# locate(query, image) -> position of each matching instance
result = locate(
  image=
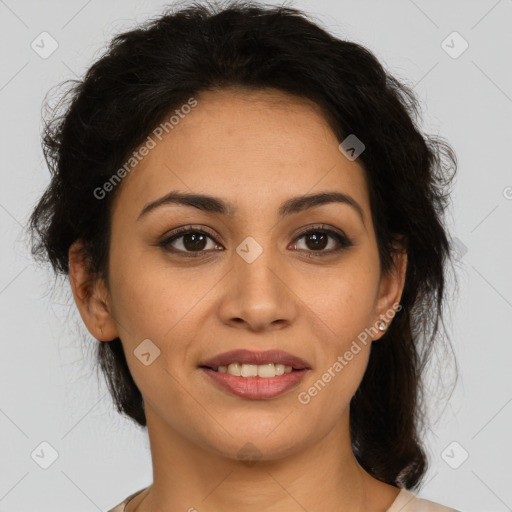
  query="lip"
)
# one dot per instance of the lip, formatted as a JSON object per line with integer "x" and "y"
{"x": 244, "y": 356}
{"x": 256, "y": 388}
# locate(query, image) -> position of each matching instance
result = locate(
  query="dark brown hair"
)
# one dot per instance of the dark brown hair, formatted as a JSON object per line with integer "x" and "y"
{"x": 148, "y": 72}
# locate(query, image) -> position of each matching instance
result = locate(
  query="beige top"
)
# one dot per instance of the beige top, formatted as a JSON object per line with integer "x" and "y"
{"x": 406, "y": 501}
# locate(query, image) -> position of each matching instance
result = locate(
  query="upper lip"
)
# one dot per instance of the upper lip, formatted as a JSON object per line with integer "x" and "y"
{"x": 244, "y": 356}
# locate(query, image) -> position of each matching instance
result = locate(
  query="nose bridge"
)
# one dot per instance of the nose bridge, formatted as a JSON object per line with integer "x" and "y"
{"x": 258, "y": 274}
{"x": 257, "y": 266}
{"x": 257, "y": 293}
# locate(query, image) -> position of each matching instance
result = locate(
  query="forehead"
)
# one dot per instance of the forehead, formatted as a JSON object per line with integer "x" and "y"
{"x": 254, "y": 148}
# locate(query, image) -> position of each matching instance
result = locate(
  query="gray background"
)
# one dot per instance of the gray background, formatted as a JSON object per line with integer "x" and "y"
{"x": 48, "y": 389}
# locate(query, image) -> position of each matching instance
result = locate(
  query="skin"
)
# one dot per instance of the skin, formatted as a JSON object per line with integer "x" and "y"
{"x": 255, "y": 149}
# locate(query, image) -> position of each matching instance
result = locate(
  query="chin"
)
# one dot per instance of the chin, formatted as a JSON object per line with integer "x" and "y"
{"x": 258, "y": 444}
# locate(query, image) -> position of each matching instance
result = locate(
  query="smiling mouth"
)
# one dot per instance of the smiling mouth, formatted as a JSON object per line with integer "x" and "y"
{"x": 264, "y": 371}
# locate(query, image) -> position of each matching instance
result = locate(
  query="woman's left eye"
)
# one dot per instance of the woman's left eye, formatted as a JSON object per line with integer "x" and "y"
{"x": 318, "y": 239}
{"x": 192, "y": 241}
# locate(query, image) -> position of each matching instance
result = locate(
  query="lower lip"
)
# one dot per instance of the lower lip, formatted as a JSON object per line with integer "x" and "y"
{"x": 256, "y": 388}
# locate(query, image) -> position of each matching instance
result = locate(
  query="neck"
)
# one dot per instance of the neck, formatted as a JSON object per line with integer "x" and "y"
{"x": 187, "y": 477}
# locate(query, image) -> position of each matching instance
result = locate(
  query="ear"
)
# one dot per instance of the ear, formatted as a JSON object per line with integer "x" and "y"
{"x": 390, "y": 289}
{"x": 91, "y": 296}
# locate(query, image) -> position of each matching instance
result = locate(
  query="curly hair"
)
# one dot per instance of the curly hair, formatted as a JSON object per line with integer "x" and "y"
{"x": 147, "y": 72}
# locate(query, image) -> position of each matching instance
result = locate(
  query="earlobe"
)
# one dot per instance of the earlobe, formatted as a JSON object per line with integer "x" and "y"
{"x": 390, "y": 291}
{"x": 91, "y": 296}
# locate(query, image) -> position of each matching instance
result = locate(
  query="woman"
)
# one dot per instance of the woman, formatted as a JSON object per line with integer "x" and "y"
{"x": 252, "y": 225}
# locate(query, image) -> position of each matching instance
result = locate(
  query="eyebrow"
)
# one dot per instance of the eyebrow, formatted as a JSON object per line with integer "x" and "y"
{"x": 216, "y": 205}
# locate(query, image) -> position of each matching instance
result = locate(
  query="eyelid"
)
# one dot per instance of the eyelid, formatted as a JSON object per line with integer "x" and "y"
{"x": 343, "y": 240}
{"x": 320, "y": 227}
{"x": 181, "y": 230}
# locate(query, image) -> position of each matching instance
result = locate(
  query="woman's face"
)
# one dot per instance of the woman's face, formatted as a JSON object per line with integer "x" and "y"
{"x": 253, "y": 281}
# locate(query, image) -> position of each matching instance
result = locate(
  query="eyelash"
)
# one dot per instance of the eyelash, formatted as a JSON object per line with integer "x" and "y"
{"x": 344, "y": 242}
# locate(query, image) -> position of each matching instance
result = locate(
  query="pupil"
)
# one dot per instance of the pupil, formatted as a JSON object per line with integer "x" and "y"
{"x": 317, "y": 238}
{"x": 194, "y": 238}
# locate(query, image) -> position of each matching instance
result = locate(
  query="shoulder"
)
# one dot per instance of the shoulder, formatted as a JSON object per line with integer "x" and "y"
{"x": 121, "y": 506}
{"x": 406, "y": 501}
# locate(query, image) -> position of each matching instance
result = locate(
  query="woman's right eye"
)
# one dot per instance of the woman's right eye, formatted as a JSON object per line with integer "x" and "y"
{"x": 188, "y": 241}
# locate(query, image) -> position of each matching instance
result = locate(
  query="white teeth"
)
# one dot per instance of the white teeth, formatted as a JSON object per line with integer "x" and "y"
{"x": 280, "y": 369}
{"x": 253, "y": 370}
{"x": 266, "y": 370}
{"x": 234, "y": 369}
{"x": 249, "y": 370}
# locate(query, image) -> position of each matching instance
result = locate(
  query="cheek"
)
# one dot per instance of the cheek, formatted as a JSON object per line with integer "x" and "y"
{"x": 149, "y": 299}
{"x": 149, "y": 307}
{"x": 341, "y": 310}
{"x": 344, "y": 303}
{"x": 343, "y": 350}
{"x": 164, "y": 306}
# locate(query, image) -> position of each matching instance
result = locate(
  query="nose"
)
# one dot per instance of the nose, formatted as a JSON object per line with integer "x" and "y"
{"x": 258, "y": 296}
